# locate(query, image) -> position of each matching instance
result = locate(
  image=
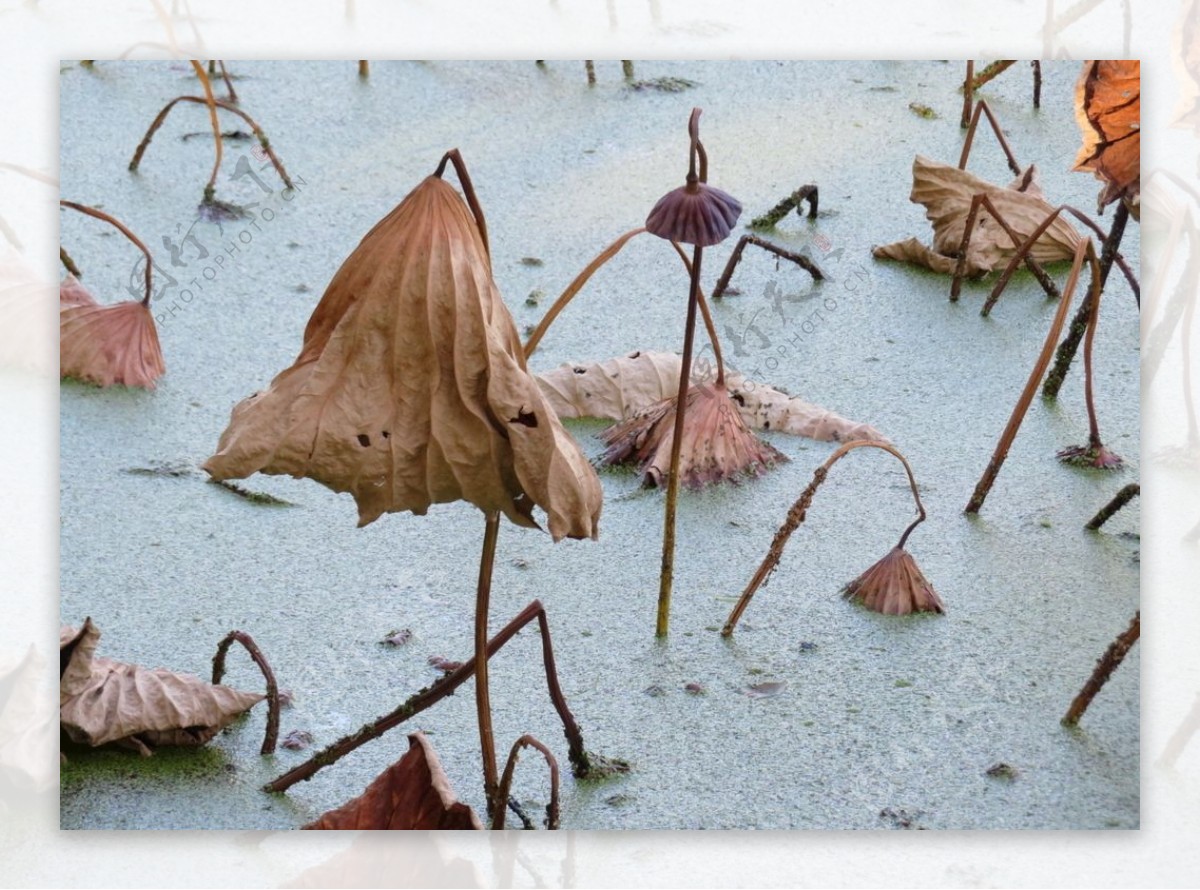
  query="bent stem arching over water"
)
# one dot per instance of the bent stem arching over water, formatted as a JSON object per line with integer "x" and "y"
{"x": 797, "y": 514}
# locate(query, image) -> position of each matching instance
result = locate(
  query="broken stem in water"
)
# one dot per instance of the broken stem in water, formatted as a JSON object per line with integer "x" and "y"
{"x": 581, "y": 761}
{"x": 528, "y": 741}
{"x": 218, "y": 671}
{"x": 68, "y": 263}
{"x": 796, "y": 515}
{"x": 1109, "y": 662}
{"x": 736, "y": 257}
{"x": 258, "y": 132}
{"x": 1122, "y": 497}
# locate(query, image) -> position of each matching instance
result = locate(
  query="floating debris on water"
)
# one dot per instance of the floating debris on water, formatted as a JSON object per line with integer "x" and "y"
{"x": 663, "y": 85}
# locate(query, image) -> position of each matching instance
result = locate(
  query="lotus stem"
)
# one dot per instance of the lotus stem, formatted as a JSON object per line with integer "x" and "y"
{"x": 364, "y": 69}
{"x": 218, "y": 671}
{"x": 797, "y": 514}
{"x": 787, "y": 205}
{"x": 627, "y": 69}
{"x": 1122, "y": 497}
{"x": 68, "y": 263}
{"x": 1083, "y": 250}
{"x": 1026, "y": 249}
{"x": 124, "y": 230}
{"x": 483, "y": 704}
{"x": 258, "y": 132}
{"x": 736, "y": 257}
{"x": 968, "y": 94}
{"x": 211, "y": 189}
{"x": 464, "y": 179}
{"x": 233, "y": 97}
{"x": 709, "y": 324}
{"x": 667, "y": 575}
{"x": 581, "y": 761}
{"x": 590, "y": 67}
{"x": 1082, "y": 321}
{"x": 1037, "y": 83}
{"x": 982, "y": 108}
{"x": 1108, "y": 663}
{"x": 990, "y": 72}
{"x": 576, "y": 285}
{"x": 528, "y": 741}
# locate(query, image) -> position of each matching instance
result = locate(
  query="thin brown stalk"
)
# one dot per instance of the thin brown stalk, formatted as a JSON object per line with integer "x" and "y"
{"x": 211, "y": 189}
{"x": 259, "y": 133}
{"x": 464, "y": 179}
{"x": 124, "y": 230}
{"x": 364, "y": 68}
{"x": 1108, "y": 662}
{"x": 233, "y": 97}
{"x": 581, "y": 761}
{"x": 590, "y": 67}
{"x": 483, "y": 704}
{"x": 968, "y": 94}
{"x": 1083, "y": 250}
{"x": 627, "y": 69}
{"x": 797, "y": 514}
{"x": 528, "y": 741}
{"x": 982, "y": 108}
{"x": 736, "y": 257}
{"x": 990, "y": 72}
{"x": 1037, "y": 83}
{"x": 218, "y": 671}
{"x": 1033, "y": 265}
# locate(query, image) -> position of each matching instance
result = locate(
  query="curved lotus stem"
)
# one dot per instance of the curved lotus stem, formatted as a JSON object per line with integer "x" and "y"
{"x": 258, "y": 132}
{"x": 464, "y": 178}
{"x": 796, "y": 515}
{"x": 576, "y": 285}
{"x": 527, "y": 741}
{"x": 124, "y": 230}
{"x": 211, "y": 101}
{"x": 218, "y": 671}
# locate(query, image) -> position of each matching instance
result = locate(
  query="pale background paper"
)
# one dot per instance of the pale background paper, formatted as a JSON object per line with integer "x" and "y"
{"x": 34, "y": 36}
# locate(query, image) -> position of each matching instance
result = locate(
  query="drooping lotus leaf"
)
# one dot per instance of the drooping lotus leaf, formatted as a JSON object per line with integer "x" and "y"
{"x": 411, "y": 389}
{"x": 412, "y": 794}
{"x": 108, "y": 345}
{"x": 103, "y": 701}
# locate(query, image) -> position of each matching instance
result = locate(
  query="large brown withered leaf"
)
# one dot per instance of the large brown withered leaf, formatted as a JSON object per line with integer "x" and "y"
{"x": 717, "y": 444}
{"x": 1108, "y": 108}
{"x": 106, "y": 345}
{"x": 411, "y": 389}
{"x": 947, "y": 192}
{"x": 412, "y": 794}
{"x": 103, "y": 701}
{"x": 622, "y": 387}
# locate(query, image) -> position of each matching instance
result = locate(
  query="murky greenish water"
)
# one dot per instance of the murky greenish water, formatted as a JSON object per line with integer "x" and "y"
{"x": 877, "y": 714}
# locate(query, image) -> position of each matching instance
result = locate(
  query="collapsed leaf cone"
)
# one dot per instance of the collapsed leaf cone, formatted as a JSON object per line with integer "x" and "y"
{"x": 411, "y": 388}
{"x": 894, "y": 586}
{"x": 716, "y": 444}
{"x": 412, "y": 794}
{"x": 108, "y": 345}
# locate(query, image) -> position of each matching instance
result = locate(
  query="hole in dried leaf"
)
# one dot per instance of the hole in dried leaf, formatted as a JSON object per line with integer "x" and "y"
{"x": 525, "y": 418}
{"x": 364, "y": 440}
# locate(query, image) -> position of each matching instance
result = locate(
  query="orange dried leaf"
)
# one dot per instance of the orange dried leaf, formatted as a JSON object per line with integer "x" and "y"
{"x": 411, "y": 387}
{"x": 946, "y": 193}
{"x": 412, "y": 794}
{"x": 103, "y": 701}
{"x": 106, "y": 345}
{"x": 1108, "y": 110}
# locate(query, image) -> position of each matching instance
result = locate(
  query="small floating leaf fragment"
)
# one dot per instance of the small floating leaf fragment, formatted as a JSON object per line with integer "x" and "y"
{"x": 297, "y": 740}
{"x": 397, "y": 637}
